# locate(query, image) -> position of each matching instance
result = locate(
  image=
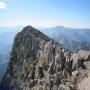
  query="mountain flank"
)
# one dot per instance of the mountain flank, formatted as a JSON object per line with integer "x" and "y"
{"x": 39, "y": 63}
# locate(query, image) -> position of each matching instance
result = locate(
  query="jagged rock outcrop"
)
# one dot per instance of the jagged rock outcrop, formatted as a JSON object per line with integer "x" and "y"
{"x": 39, "y": 63}
{"x": 79, "y": 58}
{"x": 81, "y": 72}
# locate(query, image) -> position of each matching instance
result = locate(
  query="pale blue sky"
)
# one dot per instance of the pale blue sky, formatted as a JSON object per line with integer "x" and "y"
{"x": 69, "y": 13}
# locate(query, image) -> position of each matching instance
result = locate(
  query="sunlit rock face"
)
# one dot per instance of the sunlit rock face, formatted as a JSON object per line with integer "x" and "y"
{"x": 39, "y": 63}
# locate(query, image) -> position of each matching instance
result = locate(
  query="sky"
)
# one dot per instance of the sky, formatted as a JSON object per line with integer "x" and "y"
{"x": 45, "y": 13}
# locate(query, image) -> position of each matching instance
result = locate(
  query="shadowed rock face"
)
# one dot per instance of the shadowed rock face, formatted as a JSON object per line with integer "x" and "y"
{"x": 38, "y": 63}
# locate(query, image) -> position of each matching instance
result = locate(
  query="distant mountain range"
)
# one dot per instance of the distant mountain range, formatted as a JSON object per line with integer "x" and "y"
{"x": 7, "y": 35}
{"x": 73, "y": 39}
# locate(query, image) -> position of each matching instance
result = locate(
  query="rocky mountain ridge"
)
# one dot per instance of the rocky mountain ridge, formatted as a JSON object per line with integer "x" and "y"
{"x": 72, "y": 39}
{"x": 39, "y": 63}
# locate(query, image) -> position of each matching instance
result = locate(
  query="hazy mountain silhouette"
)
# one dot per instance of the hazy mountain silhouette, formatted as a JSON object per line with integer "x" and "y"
{"x": 70, "y": 38}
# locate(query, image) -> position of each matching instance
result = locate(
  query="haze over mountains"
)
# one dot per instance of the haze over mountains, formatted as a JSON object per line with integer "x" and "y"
{"x": 7, "y": 35}
{"x": 73, "y": 39}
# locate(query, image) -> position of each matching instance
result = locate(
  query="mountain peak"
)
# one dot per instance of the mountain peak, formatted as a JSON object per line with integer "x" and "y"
{"x": 32, "y": 54}
{"x": 29, "y": 30}
{"x": 28, "y": 27}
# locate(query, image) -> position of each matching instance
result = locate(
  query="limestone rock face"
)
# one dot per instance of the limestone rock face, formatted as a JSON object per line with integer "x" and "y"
{"x": 81, "y": 72}
{"x": 79, "y": 58}
{"x": 39, "y": 63}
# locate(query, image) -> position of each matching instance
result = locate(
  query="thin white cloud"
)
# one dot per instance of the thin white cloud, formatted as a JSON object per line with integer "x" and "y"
{"x": 3, "y": 5}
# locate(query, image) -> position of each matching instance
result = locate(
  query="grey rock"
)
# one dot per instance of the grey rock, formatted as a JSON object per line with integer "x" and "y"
{"x": 39, "y": 63}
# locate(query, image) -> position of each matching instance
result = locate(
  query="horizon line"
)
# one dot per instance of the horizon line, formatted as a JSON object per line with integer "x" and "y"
{"x": 38, "y": 26}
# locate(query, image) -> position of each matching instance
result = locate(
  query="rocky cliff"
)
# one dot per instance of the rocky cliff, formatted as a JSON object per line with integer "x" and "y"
{"x": 39, "y": 63}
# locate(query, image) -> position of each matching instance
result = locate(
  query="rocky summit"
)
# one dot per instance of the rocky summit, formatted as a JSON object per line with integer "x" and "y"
{"x": 39, "y": 63}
